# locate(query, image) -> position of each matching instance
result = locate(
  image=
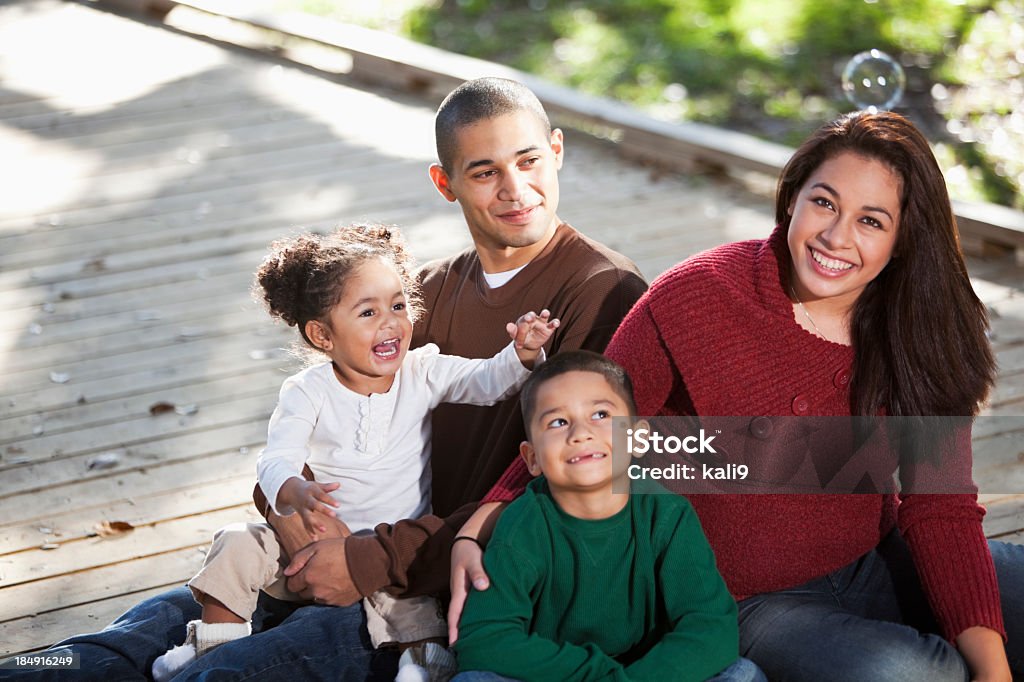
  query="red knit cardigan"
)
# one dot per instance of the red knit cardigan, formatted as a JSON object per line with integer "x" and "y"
{"x": 715, "y": 335}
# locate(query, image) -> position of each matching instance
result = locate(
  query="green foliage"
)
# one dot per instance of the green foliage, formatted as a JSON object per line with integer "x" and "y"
{"x": 766, "y": 67}
{"x": 754, "y": 57}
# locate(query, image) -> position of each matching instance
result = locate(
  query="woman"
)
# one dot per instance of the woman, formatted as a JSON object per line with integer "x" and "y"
{"x": 858, "y": 304}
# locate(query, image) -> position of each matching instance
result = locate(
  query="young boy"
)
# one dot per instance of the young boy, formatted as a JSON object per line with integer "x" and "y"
{"x": 588, "y": 583}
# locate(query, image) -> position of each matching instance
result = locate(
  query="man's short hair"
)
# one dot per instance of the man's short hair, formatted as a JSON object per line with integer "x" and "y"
{"x": 575, "y": 361}
{"x": 479, "y": 99}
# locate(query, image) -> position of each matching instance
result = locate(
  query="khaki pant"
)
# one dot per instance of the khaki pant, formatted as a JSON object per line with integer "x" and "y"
{"x": 246, "y": 558}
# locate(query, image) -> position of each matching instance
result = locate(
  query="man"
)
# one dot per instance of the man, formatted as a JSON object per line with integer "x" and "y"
{"x": 499, "y": 159}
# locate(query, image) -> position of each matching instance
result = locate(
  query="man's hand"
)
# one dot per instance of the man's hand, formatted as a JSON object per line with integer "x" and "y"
{"x": 319, "y": 572}
{"x": 293, "y": 536}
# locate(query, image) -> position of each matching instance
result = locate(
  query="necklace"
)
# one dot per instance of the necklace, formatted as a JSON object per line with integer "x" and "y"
{"x": 806, "y": 314}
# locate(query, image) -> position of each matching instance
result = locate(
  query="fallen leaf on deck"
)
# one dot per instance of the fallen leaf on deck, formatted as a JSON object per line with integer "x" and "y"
{"x": 110, "y": 529}
{"x": 161, "y": 408}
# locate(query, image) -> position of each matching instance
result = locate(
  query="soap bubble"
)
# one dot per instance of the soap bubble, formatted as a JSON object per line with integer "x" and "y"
{"x": 873, "y": 80}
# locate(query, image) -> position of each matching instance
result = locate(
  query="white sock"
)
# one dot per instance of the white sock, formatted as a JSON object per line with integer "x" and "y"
{"x": 171, "y": 663}
{"x": 428, "y": 662}
{"x": 410, "y": 672}
{"x": 212, "y": 635}
{"x": 201, "y": 638}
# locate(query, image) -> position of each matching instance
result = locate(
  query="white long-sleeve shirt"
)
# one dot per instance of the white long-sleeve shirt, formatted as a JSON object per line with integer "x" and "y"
{"x": 376, "y": 446}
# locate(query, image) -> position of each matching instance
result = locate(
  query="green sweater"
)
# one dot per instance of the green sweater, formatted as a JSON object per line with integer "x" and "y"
{"x": 632, "y": 597}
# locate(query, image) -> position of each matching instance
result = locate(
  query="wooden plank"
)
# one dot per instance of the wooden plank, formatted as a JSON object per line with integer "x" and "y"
{"x": 120, "y": 412}
{"x": 137, "y": 428}
{"x": 164, "y": 93}
{"x": 1008, "y": 479}
{"x": 232, "y": 214}
{"x": 137, "y": 497}
{"x": 140, "y": 200}
{"x": 36, "y": 475}
{"x": 76, "y": 555}
{"x": 1004, "y": 516}
{"x": 147, "y": 305}
{"x": 142, "y": 113}
{"x": 38, "y": 632}
{"x": 219, "y": 175}
{"x": 174, "y": 313}
{"x": 263, "y": 342}
{"x": 154, "y": 337}
{"x": 98, "y": 584}
{"x": 152, "y": 380}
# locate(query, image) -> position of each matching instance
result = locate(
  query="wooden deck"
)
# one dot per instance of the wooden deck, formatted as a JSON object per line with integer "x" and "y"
{"x": 145, "y": 171}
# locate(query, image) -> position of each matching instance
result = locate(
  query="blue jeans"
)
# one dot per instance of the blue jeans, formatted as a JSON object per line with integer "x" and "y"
{"x": 871, "y": 621}
{"x": 292, "y": 643}
{"x": 740, "y": 671}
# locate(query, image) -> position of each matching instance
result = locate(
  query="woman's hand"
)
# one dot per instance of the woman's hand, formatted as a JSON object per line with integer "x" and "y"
{"x": 985, "y": 655}
{"x": 468, "y": 561}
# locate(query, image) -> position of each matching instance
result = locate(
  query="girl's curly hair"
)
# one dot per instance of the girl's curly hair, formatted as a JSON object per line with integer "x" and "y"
{"x": 303, "y": 277}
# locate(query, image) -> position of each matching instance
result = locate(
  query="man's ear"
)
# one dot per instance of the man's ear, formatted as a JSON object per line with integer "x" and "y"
{"x": 441, "y": 181}
{"x": 317, "y": 333}
{"x": 529, "y": 456}
{"x": 558, "y": 146}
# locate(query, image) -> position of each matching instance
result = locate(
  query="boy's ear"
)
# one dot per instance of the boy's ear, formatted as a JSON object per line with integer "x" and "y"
{"x": 529, "y": 456}
{"x": 441, "y": 181}
{"x": 640, "y": 425}
{"x": 317, "y": 333}
{"x": 558, "y": 146}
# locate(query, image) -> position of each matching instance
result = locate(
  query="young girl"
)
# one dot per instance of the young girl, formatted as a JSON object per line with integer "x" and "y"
{"x": 359, "y": 421}
{"x": 857, "y": 304}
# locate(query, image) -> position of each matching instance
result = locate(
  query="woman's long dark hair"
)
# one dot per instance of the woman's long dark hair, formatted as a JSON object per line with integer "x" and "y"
{"x": 918, "y": 329}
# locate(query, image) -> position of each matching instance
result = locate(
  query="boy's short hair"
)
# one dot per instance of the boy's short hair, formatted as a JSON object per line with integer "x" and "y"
{"x": 476, "y": 100}
{"x": 575, "y": 361}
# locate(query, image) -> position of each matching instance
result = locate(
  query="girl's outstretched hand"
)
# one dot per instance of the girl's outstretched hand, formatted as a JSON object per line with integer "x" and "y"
{"x": 529, "y": 333}
{"x": 311, "y": 501}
